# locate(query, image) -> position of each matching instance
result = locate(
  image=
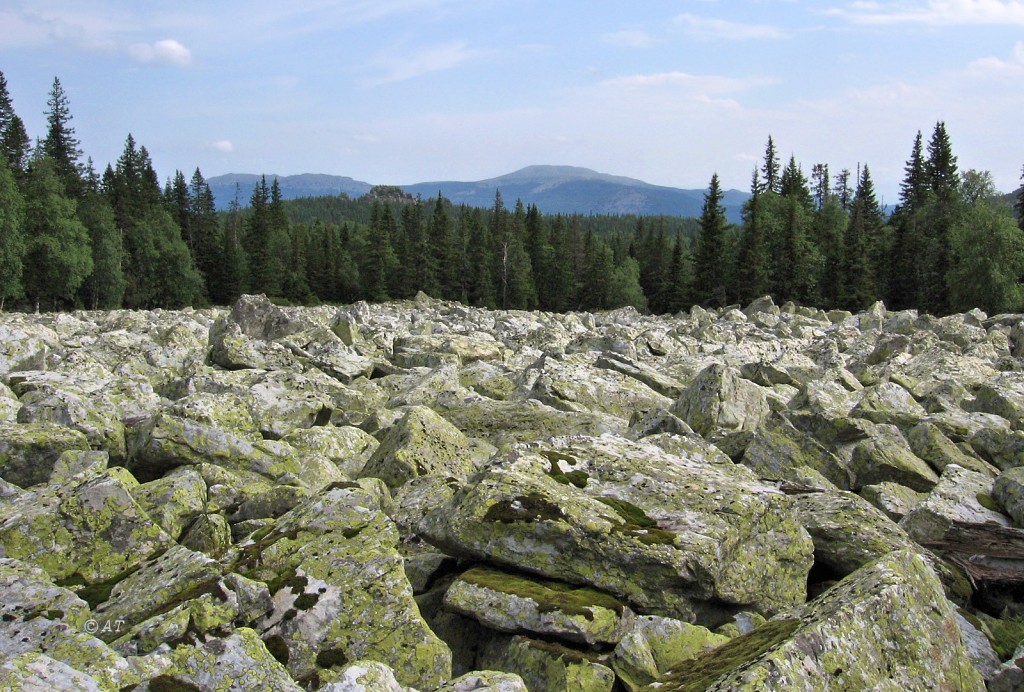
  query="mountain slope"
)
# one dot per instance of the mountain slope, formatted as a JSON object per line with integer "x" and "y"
{"x": 554, "y": 189}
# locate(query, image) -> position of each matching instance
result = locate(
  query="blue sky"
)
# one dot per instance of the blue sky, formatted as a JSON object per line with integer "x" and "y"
{"x": 403, "y": 91}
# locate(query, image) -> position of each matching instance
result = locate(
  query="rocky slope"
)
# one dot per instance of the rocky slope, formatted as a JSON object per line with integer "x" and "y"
{"x": 425, "y": 496}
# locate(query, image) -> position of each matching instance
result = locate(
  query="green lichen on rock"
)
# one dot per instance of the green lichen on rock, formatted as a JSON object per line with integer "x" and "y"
{"x": 29, "y": 452}
{"x": 636, "y": 523}
{"x": 655, "y": 645}
{"x": 699, "y": 674}
{"x": 547, "y": 666}
{"x": 516, "y": 603}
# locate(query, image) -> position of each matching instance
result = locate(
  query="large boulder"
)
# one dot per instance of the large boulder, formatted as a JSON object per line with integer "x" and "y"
{"x": 886, "y": 626}
{"x": 719, "y": 399}
{"x": 673, "y": 535}
{"x": 29, "y": 452}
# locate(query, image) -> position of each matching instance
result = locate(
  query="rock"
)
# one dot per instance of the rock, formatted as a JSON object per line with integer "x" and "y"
{"x": 361, "y": 676}
{"x": 174, "y": 500}
{"x": 209, "y": 533}
{"x": 928, "y": 442}
{"x": 547, "y": 667}
{"x": 886, "y": 456}
{"x": 35, "y": 671}
{"x": 512, "y": 603}
{"x": 240, "y": 660}
{"x": 348, "y": 447}
{"x": 421, "y": 443}
{"x": 954, "y": 500}
{"x": 895, "y": 500}
{"x": 623, "y": 517}
{"x": 657, "y": 644}
{"x": 340, "y": 593}
{"x": 889, "y": 403}
{"x": 485, "y": 681}
{"x": 778, "y": 451}
{"x": 719, "y": 399}
{"x": 847, "y": 531}
{"x": 29, "y": 452}
{"x": 72, "y": 411}
{"x": 25, "y": 346}
{"x": 886, "y": 626}
{"x": 1003, "y": 396}
{"x": 88, "y": 530}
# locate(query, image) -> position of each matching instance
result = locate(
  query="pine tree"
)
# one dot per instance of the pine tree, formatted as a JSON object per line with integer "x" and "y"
{"x": 942, "y": 210}
{"x": 58, "y": 256}
{"x": 709, "y": 269}
{"x": 60, "y": 143}
{"x": 820, "y": 184}
{"x": 842, "y": 188}
{"x": 12, "y": 237}
{"x": 595, "y": 293}
{"x": 906, "y": 271}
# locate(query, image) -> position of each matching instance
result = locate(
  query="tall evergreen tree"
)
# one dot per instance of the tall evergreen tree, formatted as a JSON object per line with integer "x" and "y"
{"x": 480, "y": 288}
{"x": 177, "y": 202}
{"x": 104, "y": 289}
{"x": 12, "y": 237}
{"x": 820, "y": 184}
{"x": 753, "y": 266}
{"x": 14, "y": 141}
{"x": 859, "y": 286}
{"x": 709, "y": 269}
{"x": 1019, "y": 204}
{"x": 944, "y": 206}
{"x": 770, "y": 168}
{"x": 677, "y": 295}
{"x": 842, "y": 188}
{"x": 205, "y": 232}
{"x": 6, "y": 104}
{"x": 58, "y": 256}
{"x": 233, "y": 272}
{"x": 60, "y": 143}
{"x": 906, "y": 271}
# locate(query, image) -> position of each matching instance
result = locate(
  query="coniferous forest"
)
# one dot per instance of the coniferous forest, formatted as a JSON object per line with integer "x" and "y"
{"x": 74, "y": 237}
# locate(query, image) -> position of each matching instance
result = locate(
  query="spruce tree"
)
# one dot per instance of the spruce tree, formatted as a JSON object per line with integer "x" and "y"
{"x": 770, "y": 168}
{"x": 906, "y": 270}
{"x": 944, "y": 205}
{"x": 480, "y": 287}
{"x": 859, "y": 286}
{"x": 1019, "y": 204}
{"x": 60, "y": 143}
{"x": 14, "y": 141}
{"x": 6, "y": 105}
{"x": 205, "y": 232}
{"x": 105, "y": 287}
{"x": 12, "y": 236}
{"x": 232, "y": 275}
{"x": 677, "y": 295}
{"x": 709, "y": 265}
{"x": 753, "y": 266}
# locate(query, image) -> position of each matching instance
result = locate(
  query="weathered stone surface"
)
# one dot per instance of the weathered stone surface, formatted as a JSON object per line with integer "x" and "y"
{"x": 239, "y": 661}
{"x": 668, "y": 533}
{"x": 719, "y": 399}
{"x": 895, "y": 500}
{"x": 340, "y": 593}
{"x": 485, "y": 681}
{"x": 174, "y": 500}
{"x": 546, "y": 667}
{"x": 89, "y": 529}
{"x": 348, "y": 447}
{"x": 886, "y": 626}
{"x": 657, "y": 644}
{"x": 421, "y": 443}
{"x": 1008, "y": 490}
{"x": 513, "y": 603}
{"x": 29, "y": 452}
{"x": 886, "y": 456}
{"x": 956, "y": 499}
{"x": 361, "y": 676}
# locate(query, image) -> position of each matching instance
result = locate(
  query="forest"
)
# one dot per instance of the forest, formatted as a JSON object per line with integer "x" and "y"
{"x": 74, "y": 238}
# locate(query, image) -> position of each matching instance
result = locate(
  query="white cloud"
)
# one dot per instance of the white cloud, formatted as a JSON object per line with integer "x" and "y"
{"x": 684, "y": 81}
{"x": 720, "y": 28}
{"x": 397, "y": 68}
{"x": 165, "y": 52}
{"x": 223, "y": 145}
{"x": 935, "y": 12}
{"x": 630, "y": 39}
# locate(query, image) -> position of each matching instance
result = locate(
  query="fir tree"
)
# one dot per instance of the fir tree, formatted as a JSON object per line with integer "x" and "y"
{"x": 941, "y": 214}
{"x": 479, "y": 280}
{"x": 105, "y": 287}
{"x": 1019, "y": 204}
{"x": 677, "y": 295}
{"x": 14, "y": 141}
{"x": 6, "y": 105}
{"x": 770, "y": 168}
{"x": 709, "y": 269}
{"x": 859, "y": 285}
{"x": 906, "y": 275}
{"x": 231, "y": 277}
{"x": 753, "y": 268}
{"x": 205, "y": 232}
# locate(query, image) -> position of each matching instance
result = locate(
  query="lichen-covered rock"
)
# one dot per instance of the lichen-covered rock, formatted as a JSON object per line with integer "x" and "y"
{"x": 27, "y": 592}
{"x": 283, "y": 401}
{"x": 32, "y": 670}
{"x": 485, "y": 681}
{"x": 174, "y": 500}
{"x": 778, "y": 451}
{"x": 209, "y": 533}
{"x": 655, "y": 645}
{"x": 28, "y": 452}
{"x": 1008, "y": 490}
{"x": 25, "y": 346}
{"x": 87, "y": 530}
{"x": 886, "y": 456}
{"x": 72, "y": 411}
{"x": 547, "y": 667}
{"x": 239, "y": 661}
{"x": 674, "y": 535}
{"x": 421, "y": 443}
{"x": 361, "y": 676}
{"x": 895, "y": 500}
{"x": 847, "y": 531}
{"x": 886, "y": 626}
{"x": 719, "y": 399}
{"x": 888, "y": 402}
{"x": 518, "y": 604}
{"x": 340, "y": 593}
{"x": 928, "y": 442}
{"x": 347, "y": 446}
{"x": 957, "y": 498}
{"x": 1003, "y": 396}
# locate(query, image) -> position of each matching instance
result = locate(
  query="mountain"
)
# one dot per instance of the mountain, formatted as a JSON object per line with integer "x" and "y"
{"x": 554, "y": 189}
{"x": 292, "y": 186}
{"x": 569, "y": 189}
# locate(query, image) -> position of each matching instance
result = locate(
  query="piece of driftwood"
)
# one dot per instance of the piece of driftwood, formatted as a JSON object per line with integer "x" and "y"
{"x": 986, "y": 552}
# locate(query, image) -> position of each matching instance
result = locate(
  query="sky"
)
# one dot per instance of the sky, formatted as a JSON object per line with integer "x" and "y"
{"x": 405, "y": 91}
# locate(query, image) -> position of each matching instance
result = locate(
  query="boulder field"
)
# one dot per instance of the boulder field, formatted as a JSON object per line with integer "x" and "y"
{"x": 424, "y": 496}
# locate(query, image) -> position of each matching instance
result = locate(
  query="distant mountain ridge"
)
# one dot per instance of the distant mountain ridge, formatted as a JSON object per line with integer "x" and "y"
{"x": 554, "y": 189}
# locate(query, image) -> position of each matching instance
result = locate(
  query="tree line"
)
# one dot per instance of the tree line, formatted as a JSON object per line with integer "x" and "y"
{"x": 74, "y": 238}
